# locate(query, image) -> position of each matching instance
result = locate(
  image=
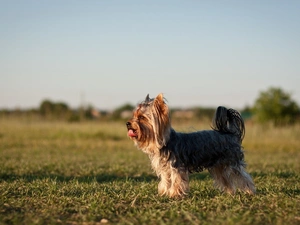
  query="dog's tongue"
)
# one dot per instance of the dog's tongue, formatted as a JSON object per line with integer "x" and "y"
{"x": 131, "y": 133}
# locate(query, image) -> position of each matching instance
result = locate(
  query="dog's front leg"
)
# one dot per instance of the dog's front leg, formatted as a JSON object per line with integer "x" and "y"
{"x": 165, "y": 182}
{"x": 179, "y": 182}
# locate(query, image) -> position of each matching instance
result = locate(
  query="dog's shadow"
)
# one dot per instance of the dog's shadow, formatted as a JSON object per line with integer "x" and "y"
{"x": 99, "y": 178}
{"x": 103, "y": 178}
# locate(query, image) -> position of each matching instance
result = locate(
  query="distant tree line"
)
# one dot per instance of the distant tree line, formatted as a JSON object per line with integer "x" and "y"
{"x": 50, "y": 110}
{"x": 273, "y": 105}
{"x": 58, "y": 110}
{"x": 61, "y": 111}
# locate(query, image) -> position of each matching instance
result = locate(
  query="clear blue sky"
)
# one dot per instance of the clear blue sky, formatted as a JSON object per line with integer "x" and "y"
{"x": 107, "y": 53}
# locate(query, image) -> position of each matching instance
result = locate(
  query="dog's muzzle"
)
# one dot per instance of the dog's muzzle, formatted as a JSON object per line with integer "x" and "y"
{"x": 131, "y": 132}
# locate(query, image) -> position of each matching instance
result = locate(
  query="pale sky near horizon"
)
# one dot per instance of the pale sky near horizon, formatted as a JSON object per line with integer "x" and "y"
{"x": 107, "y": 53}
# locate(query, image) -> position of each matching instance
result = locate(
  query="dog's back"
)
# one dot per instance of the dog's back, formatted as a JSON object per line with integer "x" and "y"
{"x": 204, "y": 149}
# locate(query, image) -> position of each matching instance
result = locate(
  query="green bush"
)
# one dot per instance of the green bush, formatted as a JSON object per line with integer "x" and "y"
{"x": 276, "y": 106}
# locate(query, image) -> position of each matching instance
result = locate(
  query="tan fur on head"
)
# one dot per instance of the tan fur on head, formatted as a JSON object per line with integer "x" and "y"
{"x": 150, "y": 124}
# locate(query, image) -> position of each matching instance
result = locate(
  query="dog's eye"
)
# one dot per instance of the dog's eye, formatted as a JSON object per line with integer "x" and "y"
{"x": 141, "y": 117}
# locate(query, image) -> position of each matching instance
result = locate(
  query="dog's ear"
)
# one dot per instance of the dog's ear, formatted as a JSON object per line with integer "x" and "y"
{"x": 147, "y": 99}
{"x": 160, "y": 103}
{"x": 162, "y": 119}
{"x": 160, "y": 97}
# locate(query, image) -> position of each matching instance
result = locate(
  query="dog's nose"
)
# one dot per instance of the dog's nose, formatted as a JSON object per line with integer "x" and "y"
{"x": 128, "y": 124}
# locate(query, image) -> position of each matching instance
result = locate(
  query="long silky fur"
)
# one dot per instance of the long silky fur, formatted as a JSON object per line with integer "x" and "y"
{"x": 174, "y": 155}
{"x": 203, "y": 149}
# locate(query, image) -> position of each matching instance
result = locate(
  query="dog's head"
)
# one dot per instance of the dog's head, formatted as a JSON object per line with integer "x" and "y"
{"x": 149, "y": 127}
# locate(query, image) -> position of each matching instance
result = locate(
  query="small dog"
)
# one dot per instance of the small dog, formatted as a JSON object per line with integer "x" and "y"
{"x": 174, "y": 155}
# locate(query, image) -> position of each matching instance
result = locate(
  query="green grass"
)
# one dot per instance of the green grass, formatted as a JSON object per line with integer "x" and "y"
{"x": 85, "y": 173}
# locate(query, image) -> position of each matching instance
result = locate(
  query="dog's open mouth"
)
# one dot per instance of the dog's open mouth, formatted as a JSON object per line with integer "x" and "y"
{"x": 132, "y": 133}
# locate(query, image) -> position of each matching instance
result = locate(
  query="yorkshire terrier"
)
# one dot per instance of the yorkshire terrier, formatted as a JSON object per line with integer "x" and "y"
{"x": 174, "y": 155}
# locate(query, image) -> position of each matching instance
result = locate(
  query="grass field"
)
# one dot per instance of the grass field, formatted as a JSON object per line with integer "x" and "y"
{"x": 90, "y": 173}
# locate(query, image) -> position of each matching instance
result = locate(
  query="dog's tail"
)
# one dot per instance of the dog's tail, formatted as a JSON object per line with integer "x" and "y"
{"x": 229, "y": 121}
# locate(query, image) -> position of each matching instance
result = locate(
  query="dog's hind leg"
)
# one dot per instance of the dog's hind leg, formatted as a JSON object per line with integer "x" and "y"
{"x": 243, "y": 180}
{"x": 229, "y": 178}
{"x": 221, "y": 175}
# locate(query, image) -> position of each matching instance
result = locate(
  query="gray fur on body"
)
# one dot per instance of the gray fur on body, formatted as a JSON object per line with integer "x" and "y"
{"x": 203, "y": 149}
